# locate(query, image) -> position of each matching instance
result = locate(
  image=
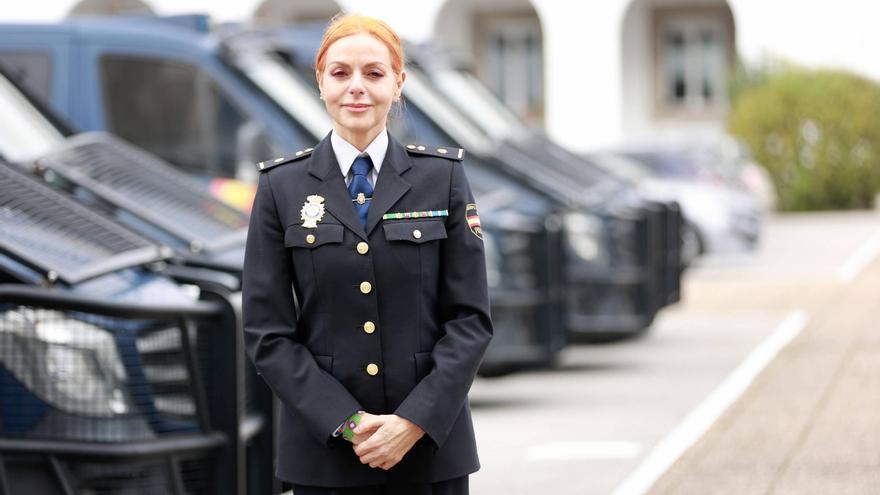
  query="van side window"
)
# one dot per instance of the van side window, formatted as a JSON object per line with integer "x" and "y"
{"x": 177, "y": 112}
{"x": 32, "y": 70}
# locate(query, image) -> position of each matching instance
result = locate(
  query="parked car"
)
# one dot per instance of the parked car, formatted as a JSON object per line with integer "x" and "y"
{"x": 729, "y": 159}
{"x": 175, "y": 92}
{"x": 720, "y": 216}
{"x": 610, "y": 285}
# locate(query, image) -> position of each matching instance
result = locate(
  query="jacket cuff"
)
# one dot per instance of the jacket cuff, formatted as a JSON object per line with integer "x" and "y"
{"x": 435, "y": 434}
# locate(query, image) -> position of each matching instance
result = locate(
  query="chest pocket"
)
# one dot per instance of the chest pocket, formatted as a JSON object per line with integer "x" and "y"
{"x": 313, "y": 251}
{"x": 297, "y": 236}
{"x": 417, "y": 232}
{"x": 415, "y": 244}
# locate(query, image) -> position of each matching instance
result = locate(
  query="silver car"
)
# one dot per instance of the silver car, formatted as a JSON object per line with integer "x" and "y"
{"x": 723, "y": 200}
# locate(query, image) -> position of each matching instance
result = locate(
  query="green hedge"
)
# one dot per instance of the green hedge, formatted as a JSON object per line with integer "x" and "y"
{"x": 818, "y": 134}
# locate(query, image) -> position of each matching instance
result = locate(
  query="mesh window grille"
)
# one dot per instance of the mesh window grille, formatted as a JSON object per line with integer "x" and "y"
{"x": 55, "y": 232}
{"x": 137, "y": 181}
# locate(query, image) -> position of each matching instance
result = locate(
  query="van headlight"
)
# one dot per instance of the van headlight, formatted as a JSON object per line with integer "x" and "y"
{"x": 584, "y": 235}
{"x": 70, "y": 364}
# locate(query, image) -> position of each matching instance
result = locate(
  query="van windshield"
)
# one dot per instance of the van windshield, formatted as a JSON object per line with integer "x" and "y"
{"x": 282, "y": 84}
{"x": 479, "y": 103}
{"x": 24, "y": 132}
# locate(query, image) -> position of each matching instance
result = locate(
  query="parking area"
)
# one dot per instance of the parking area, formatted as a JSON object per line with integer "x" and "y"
{"x": 615, "y": 418}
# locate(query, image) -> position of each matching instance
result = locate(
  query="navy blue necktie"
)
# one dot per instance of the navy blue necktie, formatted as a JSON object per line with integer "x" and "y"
{"x": 359, "y": 188}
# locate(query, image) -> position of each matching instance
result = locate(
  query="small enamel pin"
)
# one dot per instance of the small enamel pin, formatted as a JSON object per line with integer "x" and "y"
{"x": 312, "y": 211}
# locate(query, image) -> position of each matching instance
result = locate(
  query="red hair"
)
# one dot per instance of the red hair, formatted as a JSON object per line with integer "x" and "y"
{"x": 343, "y": 25}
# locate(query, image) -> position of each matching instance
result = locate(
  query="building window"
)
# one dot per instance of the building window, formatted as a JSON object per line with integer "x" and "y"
{"x": 694, "y": 53}
{"x": 513, "y": 64}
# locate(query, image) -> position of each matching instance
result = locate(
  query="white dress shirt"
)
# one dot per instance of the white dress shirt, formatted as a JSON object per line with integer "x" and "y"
{"x": 346, "y": 153}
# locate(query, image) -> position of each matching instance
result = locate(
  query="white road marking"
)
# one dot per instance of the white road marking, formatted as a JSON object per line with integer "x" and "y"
{"x": 583, "y": 450}
{"x": 859, "y": 259}
{"x": 700, "y": 419}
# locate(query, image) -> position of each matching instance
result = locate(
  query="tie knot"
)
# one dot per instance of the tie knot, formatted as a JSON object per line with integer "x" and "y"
{"x": 361, "y": 165}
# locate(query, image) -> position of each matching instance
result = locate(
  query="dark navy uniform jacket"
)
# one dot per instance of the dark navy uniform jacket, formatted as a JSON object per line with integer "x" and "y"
{"x": 391, "y": 320}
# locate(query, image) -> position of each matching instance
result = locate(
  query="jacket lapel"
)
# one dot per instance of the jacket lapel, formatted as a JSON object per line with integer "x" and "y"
{"x": 390, "y": 186}
{"x": 323, "y": 165}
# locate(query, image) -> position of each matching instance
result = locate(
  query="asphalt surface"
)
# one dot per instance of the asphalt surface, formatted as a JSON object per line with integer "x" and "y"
{"x": 765, "y": 379}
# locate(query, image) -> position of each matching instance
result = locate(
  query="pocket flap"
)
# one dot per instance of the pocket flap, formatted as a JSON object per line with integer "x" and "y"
{"x": 417, "y": 231}
{"x": 298, "y": 236}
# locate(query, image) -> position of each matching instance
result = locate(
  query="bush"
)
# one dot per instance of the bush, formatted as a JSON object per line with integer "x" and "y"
{"x": 817, "y": 133}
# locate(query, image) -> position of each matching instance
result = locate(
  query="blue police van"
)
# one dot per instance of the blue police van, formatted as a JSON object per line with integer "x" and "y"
{"x": 102, "y": 379}
{"x": 70, "y": 242}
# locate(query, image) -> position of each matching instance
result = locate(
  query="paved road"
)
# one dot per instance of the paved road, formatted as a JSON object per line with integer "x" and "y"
{"x": 616, "y": 417}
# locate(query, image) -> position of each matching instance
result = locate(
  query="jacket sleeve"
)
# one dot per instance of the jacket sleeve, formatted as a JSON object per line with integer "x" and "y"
{"x": 270, "y": 322}
{"x": 435, "y": 403}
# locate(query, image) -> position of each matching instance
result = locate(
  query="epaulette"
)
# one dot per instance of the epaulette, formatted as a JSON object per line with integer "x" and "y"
{"x": 263, "y": 166}
{"x": 451, "y": 153}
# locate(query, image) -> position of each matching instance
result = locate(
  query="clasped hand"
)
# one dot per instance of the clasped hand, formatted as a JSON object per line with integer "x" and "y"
{"x": 382, "y": 440}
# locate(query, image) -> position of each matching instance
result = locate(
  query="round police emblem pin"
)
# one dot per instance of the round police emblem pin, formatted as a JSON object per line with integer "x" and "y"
{"x": 312, "y": 211}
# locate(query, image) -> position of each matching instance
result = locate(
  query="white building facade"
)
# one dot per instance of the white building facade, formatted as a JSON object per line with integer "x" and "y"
{"x": 592, "y": 73}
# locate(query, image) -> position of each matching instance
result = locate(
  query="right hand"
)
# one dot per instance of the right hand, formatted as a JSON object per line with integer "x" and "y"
{"x": 372, "y": 423}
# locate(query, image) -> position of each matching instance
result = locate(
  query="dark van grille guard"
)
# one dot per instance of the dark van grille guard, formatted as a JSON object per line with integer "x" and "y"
{"x": 79, "y": 376}
{"x": 114, "y": 403}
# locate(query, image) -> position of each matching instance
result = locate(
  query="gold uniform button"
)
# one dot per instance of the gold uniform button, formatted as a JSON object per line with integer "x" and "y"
{"x": 369, "y": 327}
{"x": 363, "y": 247}
{"x": 372, "y": 369}
{"x": 366, "y": 287}
{"x": 417, "y": 234}
{"x": 310, "y": 238}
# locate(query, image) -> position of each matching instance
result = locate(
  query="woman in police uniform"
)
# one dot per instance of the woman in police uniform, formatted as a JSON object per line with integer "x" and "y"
{"x": 373, "y": 352}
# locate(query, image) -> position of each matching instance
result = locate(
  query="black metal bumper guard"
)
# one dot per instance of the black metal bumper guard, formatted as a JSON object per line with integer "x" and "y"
{"x": 656, "y": 256}
{"x": 675, "y": 267}
{"x": 255, "y": 408}
{"x": 624, "y": 293}
{"x": 529, "y": 331}
{"x": 218, "y": 425}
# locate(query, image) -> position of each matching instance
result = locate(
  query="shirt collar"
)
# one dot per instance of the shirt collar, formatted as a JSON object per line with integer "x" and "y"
{"x": 346, "y": 152}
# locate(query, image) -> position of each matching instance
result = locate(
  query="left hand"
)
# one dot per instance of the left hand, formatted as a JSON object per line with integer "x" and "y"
{"x": 391, "y": 439}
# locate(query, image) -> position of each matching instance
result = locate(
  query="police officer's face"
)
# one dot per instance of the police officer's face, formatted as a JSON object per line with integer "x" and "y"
{"x": 359, "y": 86}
